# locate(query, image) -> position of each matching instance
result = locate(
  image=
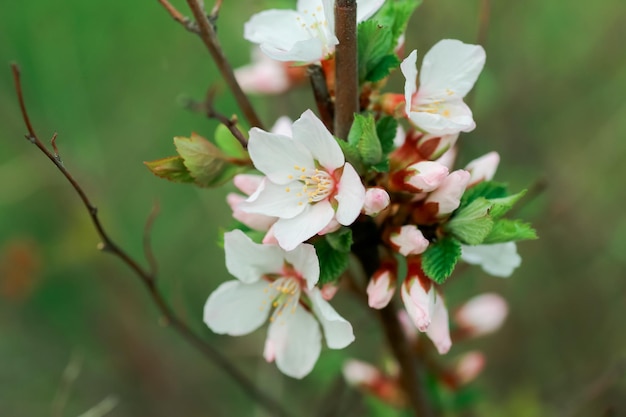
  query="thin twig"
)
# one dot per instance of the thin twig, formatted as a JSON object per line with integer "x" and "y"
{"x": 325, "y": 104}
{"x": 178, "y": 16}
{"x": 168, "y": 315}
{"x": 209, "y": 38}
{"x": 147, "y": 242}
{"x": 346, "y": 70}
{"x": 215, "y": 12}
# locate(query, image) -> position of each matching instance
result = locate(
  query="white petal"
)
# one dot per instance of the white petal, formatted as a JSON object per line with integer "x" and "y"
{"x": 291, "y": 232}
{"x": 311, "y": 132}
{"x": 499, "y": 259}
{"x": 254, "y": 221}
{"x": 247, "y": 183}
{"x": 283, "y": 126}
{"x": 304, "y": 260}
{"x": 366, "y": 8}
{"x": 338, "y": 331}
{"x": 276, "y": 200}
{"x": 281, "y": 36}
{"x": 247, "y": 260}
{"x": 236, "y": 308}
{"x": 451, "y": 67}
{"x": 278, "y": 156}
{"x": 439, "y": 329}
{"x": 454, "y": 116}
{"x": 350, "y": 196}
{"x": 409, "y": 70}
{"x": 296, "y": 342}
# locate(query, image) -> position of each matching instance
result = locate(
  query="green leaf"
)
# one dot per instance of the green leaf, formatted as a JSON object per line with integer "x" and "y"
{"x": 341, "y": 240}
{"x": 386, "y": 129}
{"x": 472, "y": 223}
{"x": 171, "y": 168}
{"x": 440, "y": 258}
{"x": 381, "y": 166}
{"x": 333, "y": 263}
{"x": 374, "y": 42}
{"x": 382, "y": 68}
{"x": 351, "y": 152}
{"x": 228, "y": 143}
{"x": 369, "y": 145}
{"x": 505, "y": 230}
{"x": 207, "y": 164}
{"x": 395, "y": 15}
{"x": 502, "y": 205}
{"x": 486, "y": 189}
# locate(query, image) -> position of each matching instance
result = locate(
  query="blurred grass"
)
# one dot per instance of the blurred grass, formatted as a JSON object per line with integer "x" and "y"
{"x": 107, "y": 77}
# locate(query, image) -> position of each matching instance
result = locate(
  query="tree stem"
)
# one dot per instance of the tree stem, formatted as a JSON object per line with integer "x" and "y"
{"x": 346, "y": 69}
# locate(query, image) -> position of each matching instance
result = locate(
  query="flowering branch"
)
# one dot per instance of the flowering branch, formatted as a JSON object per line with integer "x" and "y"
{"x": 322, "y": 97}
{"x": 205, "y": 28}
{"x": 147, "y": 277}
{"x": 346, "y": 73}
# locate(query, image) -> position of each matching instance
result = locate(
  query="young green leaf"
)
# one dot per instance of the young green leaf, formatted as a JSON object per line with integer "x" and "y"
{"x": 505, "y": 230}
{"x": 486, "y": 189}
{"x": 333, "y": 263}
{"x": 472, "y": 223}
{"x": 374, "y": 43}
{"x": 171, "y": 168}
{"x": 440, "y": 258}
{"x": 228, "y": 143}
{"x": 502, "y": 205}
{"x": 386, "y": 129}
{"x": 341, "y": 240}
{"x": 395, "y": 15}
{"x": 369, "y": 145}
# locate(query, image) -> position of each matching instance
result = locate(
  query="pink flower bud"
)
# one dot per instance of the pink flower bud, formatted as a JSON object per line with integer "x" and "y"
{"x": 469, "y": 366}
{"x": 448, "y": 195}
{"x": 482, "y": 314}
{"x": 359, "y": 373}
{"x": 448, "y": 158}
{"x": 408, "y": 240}
{"x": 425, "y": 176}
{"x": 439, "y": 330}
{"x": 376, "y": 200}
{"x": 247, "y": 183}
{"x": 367, "y": 377}
{"x": 382, "y": 286}
{"x": 418, "y": 295}
{"x": 328, "y": 291}
{"x": 483, "y": 168}
{"x": 254, "y": 221}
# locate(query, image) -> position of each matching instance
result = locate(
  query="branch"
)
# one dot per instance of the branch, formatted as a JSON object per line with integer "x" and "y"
{"x": 346, "y": 71}
{"x": 209, "y": 38}
{"x": 322, "y": 97}
{"x": 178, "y": 16}
{"x": 145, "y": 276}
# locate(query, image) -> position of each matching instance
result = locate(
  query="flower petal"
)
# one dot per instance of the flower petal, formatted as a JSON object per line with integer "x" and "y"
{"x": 409, "y": 70}
{"x": 248, "y": 261}
{"x": 304, "y": 260}
{"x": 311, "y": 132}
{"x": 296, "y": 342}
{"x": 236, "y": 308}
{"x": 450, "y": 68}
{"x": 291, "y": 232}
{"x": 439, "y": 329}
{"x": 338, "y": 331}
{"x": 453, "y": 116}
{"x": 277, "y": 156}
{"x": 276, "y": 200}
{"x": 366, "y": 8}
{"x": 498, "y": 259}
{"x": 350, "y": 196}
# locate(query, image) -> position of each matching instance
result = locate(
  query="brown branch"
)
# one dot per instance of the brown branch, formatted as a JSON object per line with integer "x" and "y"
{"x": 346, "y": 70}
{"x": 320, "y": 91}
{"x": 147, "y": 277}
{"x": 178, "y": 16}
{"x": 209, "y": 38}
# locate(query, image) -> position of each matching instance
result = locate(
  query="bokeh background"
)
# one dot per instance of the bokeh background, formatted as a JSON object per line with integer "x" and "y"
{"x": 109, "y": 77}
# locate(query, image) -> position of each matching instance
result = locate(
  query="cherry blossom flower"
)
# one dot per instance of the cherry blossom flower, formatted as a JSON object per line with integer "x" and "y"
{"x": 247, "y": 184}
{"x": 280, "y": 285}
{"x": 469, "y": 366}
{"x": 409, "y": 240}
{"x": 482, "y": 314}
{"x": 448, "y": 195}
{"x": 268, "y": 76}
{"x": 425, "y": 176}
{"x": 376, "y": 200}
{"x": 449, "y": 71}
{"x": 306, "y": 34}
{"x": 497, "y": 259}
{"x": 483, "y": 168}
{"x": 382, "y": 286}
{"x": 308, "y": 184}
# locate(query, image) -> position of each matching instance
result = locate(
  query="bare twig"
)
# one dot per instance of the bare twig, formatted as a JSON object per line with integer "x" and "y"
{"x": 209, "y": 38}
{"x": 147, "y": 243}
{"x": 346, "y": 70}
{"x": 146, "y": 276}
{"x": 215, "y": 12}
{"x": 178, "y": 16}
{"x": 322, "y": 97}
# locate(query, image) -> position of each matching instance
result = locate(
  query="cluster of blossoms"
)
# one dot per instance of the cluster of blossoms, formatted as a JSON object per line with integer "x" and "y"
{"x": 388, "y": 195}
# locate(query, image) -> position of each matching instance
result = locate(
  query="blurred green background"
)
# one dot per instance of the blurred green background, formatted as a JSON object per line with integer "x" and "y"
{"x": 108, "y": 77}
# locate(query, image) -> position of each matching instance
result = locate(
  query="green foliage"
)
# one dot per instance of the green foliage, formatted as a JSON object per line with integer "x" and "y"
{"x": 395, "y": 15}
{"x": 386, "y": 129}
{"x": 440, "y": 258}
{"x": 351, "y": 152}
{"x": 171, "y": 168}
{"x": 363, "y": 134}
{"x": 472, "y": 223}
{"x": 333, "y": 262}
{"x": 369, "y": 143}
{"x": 375, "y": 46}
{"x": 505, "y": 230}
{"x": 486, "y": 189}
{"x": 228, "y": 143}
{"x": 341, "y": 240}
{"x": 502, "y": 205}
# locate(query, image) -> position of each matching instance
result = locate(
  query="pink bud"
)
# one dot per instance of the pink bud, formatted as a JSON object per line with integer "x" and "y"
{"x": 359, "y": 373}
{"x": 483, "y": 168}
{"x": 482, "y": 314}
{"x": 247, "y": 183}
{"x": 382, "y": 286}
{"x": 418, "y": 295}
{"x": 425, "y": 176}
{"x": 376, "y": 200}
{"x": 469, "y": 366}
{"x": 252, "y": 220}
{"x": 408, "y": 240}
{"x": 448, "y": 195}
{"x": 439, "y": 330}
{"x": 328, "y": 291}
{"x": 448, "y": 158}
